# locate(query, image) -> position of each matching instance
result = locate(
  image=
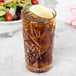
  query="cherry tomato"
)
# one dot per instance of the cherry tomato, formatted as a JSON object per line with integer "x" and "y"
{"x": 20, "y": 16}
{"x": 9, "y": 17}
{"x": 35, "y": 2}
{"x": 1, "y": 0}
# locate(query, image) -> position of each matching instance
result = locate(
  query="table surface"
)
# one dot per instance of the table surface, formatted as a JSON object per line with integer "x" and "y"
{"x": 12, "y": 61}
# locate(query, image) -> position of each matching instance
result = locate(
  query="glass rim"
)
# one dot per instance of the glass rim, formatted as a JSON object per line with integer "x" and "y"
{"x": 54, "y": 11}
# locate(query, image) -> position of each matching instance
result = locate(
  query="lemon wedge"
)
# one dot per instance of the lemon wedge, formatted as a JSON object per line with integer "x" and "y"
{"x": 41, "y": 11}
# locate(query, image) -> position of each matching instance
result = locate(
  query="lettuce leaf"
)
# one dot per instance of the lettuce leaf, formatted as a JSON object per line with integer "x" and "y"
{"x": 28, "y": 1}
{"x": 2, "y": 19}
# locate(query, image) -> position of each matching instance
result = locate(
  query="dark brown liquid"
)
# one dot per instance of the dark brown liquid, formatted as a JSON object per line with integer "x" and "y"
{"x": 38, "y": 43}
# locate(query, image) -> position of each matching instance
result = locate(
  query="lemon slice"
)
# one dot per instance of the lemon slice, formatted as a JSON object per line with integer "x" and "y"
{"x": 41, "y": 11}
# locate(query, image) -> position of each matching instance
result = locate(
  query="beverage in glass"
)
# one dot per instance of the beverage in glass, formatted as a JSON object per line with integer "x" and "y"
{"x": 38, "y": 34}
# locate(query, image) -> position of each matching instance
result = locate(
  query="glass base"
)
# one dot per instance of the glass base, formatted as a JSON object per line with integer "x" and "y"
{"x": 39, "y": 70}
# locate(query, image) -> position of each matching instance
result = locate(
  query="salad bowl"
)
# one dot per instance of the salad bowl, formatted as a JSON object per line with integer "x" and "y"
{"x": 10, "y": 27}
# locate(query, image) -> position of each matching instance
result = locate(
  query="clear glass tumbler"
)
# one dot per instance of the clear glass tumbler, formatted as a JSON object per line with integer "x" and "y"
{"x": 38, "y": 34}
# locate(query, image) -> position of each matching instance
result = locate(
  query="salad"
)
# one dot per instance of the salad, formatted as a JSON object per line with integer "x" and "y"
{"x": 11, "y": 11}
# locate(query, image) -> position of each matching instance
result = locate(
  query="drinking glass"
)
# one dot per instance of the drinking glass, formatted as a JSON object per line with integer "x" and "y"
{"x": 38, "y": 34}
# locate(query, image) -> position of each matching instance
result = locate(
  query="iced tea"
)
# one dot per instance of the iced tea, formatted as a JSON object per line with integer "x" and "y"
{"x": 38, "y": 34}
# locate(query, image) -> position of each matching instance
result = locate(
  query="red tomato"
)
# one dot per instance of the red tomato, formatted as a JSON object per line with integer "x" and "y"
{"x": 35, "y": 2}
{"x": 1, "y": 0}
{"x": 20, "y": 16}
{"x": 8, "y": 17}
